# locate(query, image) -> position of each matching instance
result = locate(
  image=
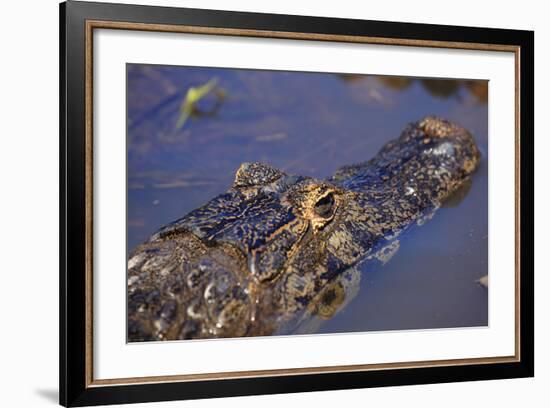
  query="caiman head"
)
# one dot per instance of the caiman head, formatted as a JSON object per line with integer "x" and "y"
{"x": 275, "y": 246}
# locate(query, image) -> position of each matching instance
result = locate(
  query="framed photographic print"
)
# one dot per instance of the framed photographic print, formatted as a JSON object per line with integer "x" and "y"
{"x": 255, "y": 203}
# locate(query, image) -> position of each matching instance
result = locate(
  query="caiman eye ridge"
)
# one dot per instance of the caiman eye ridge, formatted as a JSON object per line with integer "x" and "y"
{"x": 324, "y": 207}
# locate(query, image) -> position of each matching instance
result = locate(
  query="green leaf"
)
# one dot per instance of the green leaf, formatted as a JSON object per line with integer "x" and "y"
{"x": 192, "y": 97}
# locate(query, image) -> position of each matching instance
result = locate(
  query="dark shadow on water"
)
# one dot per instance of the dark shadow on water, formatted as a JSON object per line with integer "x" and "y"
{"x": 49, "y": 394}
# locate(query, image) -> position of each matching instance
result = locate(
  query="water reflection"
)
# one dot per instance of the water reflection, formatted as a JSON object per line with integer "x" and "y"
{"x": 312, "y": 124}
{"x": 436, "y": 87}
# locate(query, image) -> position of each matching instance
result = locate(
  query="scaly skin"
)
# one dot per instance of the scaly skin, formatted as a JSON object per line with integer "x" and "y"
{"x": 277, "y": 250}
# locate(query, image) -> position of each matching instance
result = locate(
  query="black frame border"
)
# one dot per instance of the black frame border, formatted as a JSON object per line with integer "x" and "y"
{"x": 72, "y": 348}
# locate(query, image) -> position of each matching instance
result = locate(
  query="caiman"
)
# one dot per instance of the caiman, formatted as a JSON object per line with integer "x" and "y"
{"x": 278, "y": 249}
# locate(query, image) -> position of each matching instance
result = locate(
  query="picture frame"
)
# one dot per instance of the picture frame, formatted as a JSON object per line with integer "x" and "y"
{"x": 79, "y": 21}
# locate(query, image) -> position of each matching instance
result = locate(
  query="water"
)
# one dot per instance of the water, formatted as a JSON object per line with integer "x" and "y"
{"x": 311, "y": 124}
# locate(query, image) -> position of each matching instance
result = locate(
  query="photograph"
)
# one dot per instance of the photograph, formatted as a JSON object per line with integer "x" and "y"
{"x": 266, "y": 202}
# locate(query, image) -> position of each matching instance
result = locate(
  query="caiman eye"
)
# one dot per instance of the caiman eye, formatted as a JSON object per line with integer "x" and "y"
{"x": 324, "y": 207}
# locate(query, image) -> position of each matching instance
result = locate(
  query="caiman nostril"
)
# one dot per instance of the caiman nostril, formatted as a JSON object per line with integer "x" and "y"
{"x": 436, "y": 127}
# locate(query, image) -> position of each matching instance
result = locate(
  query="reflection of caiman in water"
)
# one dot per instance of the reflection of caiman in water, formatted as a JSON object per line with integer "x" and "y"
{"x": 278, "y": 251}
